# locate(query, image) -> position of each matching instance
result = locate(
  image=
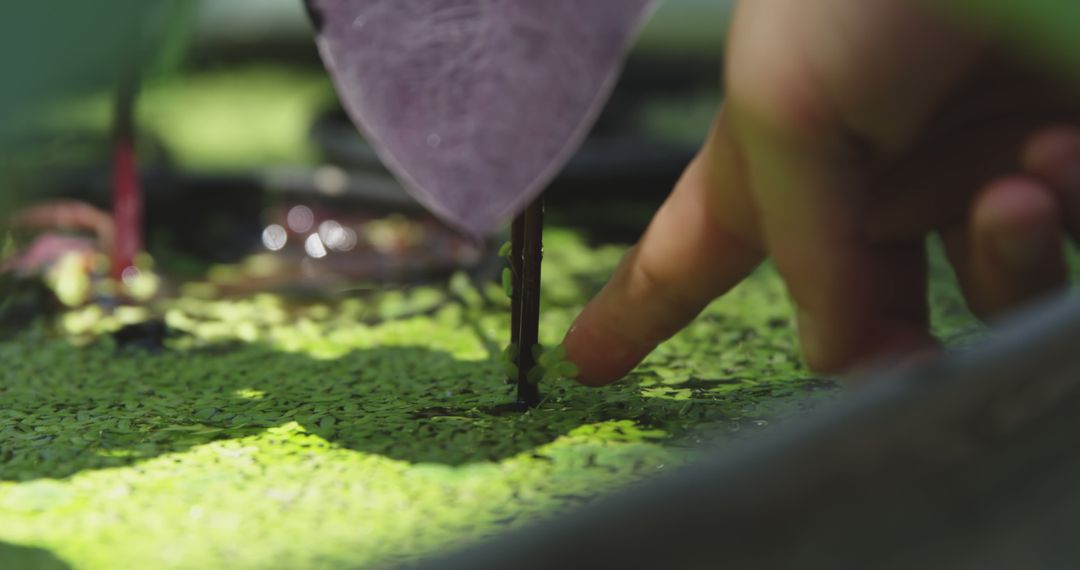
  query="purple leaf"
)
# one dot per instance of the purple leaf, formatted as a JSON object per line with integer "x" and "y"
{"x": 475, "y": 105}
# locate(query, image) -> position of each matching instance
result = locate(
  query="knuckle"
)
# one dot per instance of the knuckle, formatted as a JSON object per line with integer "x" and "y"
{"x": 776, "y": 97}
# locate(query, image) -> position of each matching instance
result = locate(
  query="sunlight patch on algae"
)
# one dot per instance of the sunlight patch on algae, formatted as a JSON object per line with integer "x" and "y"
{"x": 286, "y": 498}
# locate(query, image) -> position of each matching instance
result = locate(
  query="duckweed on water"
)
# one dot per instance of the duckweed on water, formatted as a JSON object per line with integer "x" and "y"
{"x": 347, "y": 435}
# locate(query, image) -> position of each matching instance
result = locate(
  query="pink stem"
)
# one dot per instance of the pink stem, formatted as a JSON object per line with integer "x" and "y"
{"x": 127, "y": 206}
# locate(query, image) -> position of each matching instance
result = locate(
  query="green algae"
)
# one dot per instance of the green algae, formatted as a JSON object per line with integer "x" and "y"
{"x": 358, "y": 432}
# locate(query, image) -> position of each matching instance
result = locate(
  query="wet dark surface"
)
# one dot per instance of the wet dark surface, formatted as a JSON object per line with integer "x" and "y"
{"x": 149, "y": 336}
{"x": 498, "y": 410}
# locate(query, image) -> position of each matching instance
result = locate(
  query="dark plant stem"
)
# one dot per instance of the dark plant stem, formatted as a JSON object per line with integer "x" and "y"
{"x": 526, "y": 253}
{"x": 127, "y": 198}
{"x": 517, "y": 243}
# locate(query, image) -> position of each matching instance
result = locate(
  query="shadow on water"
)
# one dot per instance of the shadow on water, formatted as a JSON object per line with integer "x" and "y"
{"x": 67, "y": 410}
{"x": 29, "y": 558}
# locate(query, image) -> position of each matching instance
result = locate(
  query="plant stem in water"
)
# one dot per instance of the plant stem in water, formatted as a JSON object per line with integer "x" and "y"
{"x": 526, "y": 253}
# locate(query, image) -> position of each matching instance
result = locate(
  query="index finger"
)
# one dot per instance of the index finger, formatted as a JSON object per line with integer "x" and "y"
{"x": 701, "y": 242}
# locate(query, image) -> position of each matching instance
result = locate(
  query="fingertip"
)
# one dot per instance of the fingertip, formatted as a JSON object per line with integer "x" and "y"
{"x": 887, "y": 342}
{"x": 700, "y": 244}
{"x": 1017, "y": 220}
{"x": 1016, "y": 246}
{"x": 903, "y": 348}
{"x": 601, "y": 357}
{"x": 1053, "y": 155}
{"x": 893, "y": 321}
{"x": 901, "y": 341}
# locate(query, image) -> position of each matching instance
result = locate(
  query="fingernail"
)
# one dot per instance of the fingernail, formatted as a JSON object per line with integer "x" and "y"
{"x": 1026, "y": 249}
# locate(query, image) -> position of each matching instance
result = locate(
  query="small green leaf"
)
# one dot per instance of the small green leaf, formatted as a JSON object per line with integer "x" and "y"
{"x": 535, "y": 375}
{"x": 505, "y": 250}
{"x": 567, "y": 369}
{"x": 511, "y": 371}
{"x": 553, "y": 356}
{"x": 508, "y": 282}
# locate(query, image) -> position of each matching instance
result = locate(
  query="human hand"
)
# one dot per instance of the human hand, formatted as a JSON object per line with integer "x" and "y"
{"x": 852, "y": 130}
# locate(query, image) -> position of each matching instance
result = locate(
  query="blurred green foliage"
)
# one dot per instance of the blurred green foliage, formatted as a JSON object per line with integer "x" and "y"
{"x": 1044, "y": 29}
{"x": 53, "y": 50}
{"x": 57, "y": 51}
{"x": 220, "y": 119}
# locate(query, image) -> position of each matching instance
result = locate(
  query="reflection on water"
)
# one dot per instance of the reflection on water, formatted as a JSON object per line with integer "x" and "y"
{"x": 274, "y": 237}
{"x": 300, "y": 218}
{"x": 316, "y": 244}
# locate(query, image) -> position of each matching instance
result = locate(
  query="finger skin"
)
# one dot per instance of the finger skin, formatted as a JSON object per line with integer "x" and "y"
{"x": 836, "y": 153}
{"x": 701, "y": 243}
{"x": 994, "y": 126}
{"x": 1011, "y": 251}
{"x": 1053, "y": 155}
{"x": 810, "y": 129}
